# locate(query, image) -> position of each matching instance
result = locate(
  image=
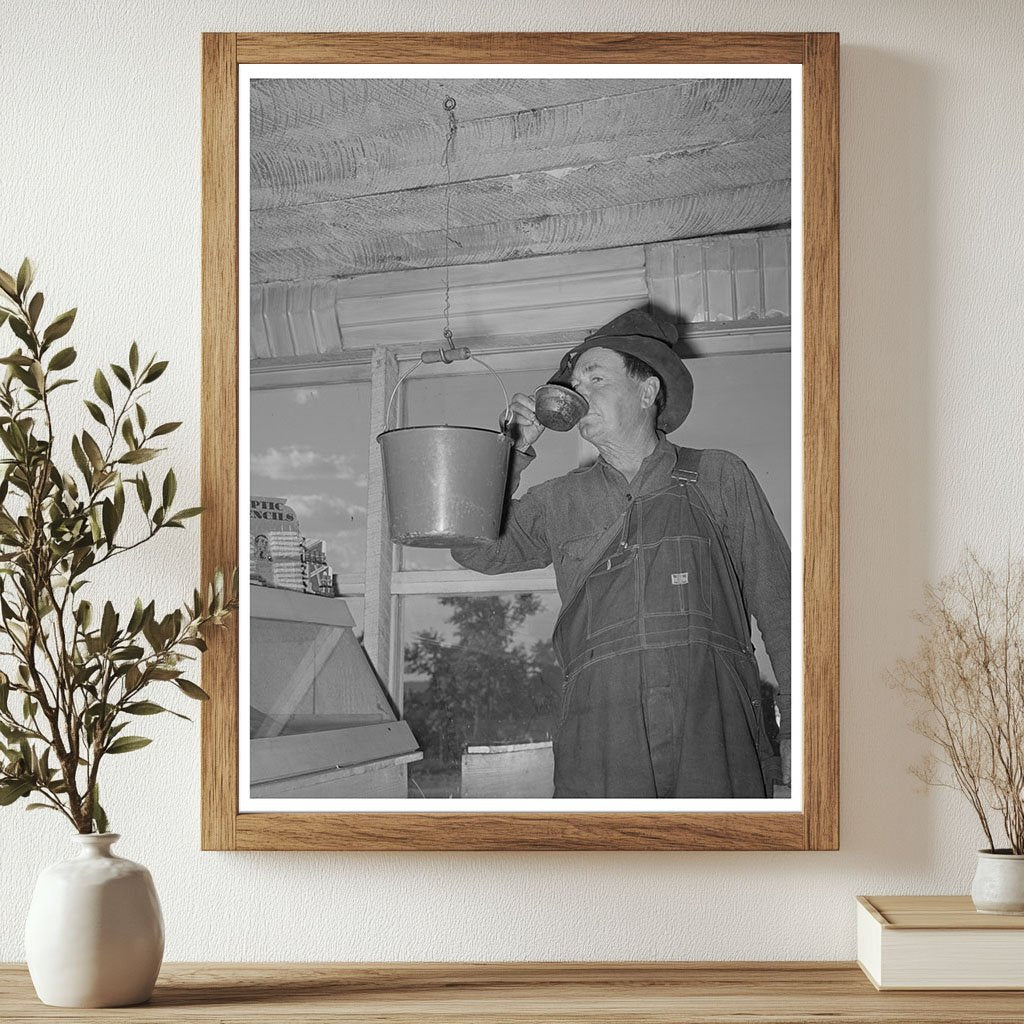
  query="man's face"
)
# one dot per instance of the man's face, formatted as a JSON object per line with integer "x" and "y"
{"x": 617, "y": 410}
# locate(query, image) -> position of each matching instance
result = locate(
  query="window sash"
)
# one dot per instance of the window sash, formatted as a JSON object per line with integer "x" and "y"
{"x": 384, "y": 585}
{"x": 465, "y": 581}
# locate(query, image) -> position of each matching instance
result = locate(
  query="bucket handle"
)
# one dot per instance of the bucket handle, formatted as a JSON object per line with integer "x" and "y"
{"x": 506, "y": 419}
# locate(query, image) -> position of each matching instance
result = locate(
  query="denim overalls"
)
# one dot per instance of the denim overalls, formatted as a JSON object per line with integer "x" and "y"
{"x": 662, "y": 693}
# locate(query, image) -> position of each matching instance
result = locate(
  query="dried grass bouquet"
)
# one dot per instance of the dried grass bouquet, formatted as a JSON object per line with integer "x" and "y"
{"x": 967, "y": 679}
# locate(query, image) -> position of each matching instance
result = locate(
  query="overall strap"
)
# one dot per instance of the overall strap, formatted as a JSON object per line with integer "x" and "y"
{"x": 685, "y": 480}
{"x": 687, "y": 463}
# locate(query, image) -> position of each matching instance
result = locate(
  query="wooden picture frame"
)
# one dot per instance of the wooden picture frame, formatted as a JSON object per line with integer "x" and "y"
{"x": 816, "y": 826}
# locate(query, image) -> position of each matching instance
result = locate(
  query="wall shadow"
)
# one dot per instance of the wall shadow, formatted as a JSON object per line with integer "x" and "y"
{"x": 888, "y": 272}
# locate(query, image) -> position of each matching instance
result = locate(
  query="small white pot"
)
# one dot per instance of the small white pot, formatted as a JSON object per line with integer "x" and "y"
{"x": 95, "y": 933}
{"x": 999, "y": 882}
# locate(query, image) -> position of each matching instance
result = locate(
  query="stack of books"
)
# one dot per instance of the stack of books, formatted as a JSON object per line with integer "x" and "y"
{"x": 938, "y": 942}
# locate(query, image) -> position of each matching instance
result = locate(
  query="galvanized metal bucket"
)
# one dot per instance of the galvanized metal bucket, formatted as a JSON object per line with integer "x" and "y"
{"x": 445, "y": 485}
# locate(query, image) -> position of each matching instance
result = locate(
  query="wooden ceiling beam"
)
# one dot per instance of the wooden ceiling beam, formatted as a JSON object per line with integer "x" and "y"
{"x": 518, "y": 197}
{"x": 287, "y": 112}
{"x": 742, "y": 208}
{"x": 680, "y": 115}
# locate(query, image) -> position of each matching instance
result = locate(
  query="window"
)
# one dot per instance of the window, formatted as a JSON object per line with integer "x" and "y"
{"x": 471, "y": 663}
{"x": 465, "y": 659}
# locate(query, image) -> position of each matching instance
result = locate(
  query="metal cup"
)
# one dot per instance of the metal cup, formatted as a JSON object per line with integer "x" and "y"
{"x": 559, "y": 407}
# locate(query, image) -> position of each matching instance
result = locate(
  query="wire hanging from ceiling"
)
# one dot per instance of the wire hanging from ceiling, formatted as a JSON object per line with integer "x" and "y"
{"x": 446, "y": 156}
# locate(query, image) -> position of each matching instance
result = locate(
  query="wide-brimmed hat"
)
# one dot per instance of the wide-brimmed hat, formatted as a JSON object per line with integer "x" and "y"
{"x": 655, "y": 342}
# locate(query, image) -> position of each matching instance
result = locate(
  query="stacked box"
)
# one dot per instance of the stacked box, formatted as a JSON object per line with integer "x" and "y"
{"x": 286, "y": 559}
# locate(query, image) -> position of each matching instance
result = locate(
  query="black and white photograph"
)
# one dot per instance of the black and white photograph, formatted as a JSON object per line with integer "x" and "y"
{"x": 520, "y": 397}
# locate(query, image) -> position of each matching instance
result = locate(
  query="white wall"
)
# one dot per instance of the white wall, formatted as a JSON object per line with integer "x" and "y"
{"x": 99, "y": 164}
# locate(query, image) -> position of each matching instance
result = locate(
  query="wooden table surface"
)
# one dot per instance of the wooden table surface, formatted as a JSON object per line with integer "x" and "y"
{"x": 837, "y": 993}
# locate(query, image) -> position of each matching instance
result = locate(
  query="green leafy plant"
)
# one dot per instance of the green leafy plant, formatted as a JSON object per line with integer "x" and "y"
{"x": 80, "y": 674}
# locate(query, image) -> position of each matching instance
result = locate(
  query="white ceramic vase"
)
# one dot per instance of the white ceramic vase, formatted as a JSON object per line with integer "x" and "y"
{"x": 999, "y": 882}
{"x": 95, "y": 933}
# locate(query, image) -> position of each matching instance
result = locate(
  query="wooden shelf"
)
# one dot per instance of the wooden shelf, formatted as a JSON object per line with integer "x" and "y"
{"x": 476, "y": 993}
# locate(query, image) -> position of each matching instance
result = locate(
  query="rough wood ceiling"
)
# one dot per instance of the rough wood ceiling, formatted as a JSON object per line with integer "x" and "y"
{"x": 347, "y": 176}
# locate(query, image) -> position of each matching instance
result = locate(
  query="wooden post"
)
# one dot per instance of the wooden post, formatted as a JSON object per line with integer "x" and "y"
{"x": 379, "y": 549}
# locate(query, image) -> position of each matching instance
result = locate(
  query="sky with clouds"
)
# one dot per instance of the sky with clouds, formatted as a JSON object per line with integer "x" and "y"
{"x": 309, "y": 447}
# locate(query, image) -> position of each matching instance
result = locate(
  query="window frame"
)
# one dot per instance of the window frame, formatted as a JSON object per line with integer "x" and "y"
{"x": 381, "y": 368}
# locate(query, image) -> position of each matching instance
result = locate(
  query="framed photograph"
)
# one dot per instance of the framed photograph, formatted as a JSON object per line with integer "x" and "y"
{"x": 520, "y": 360}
